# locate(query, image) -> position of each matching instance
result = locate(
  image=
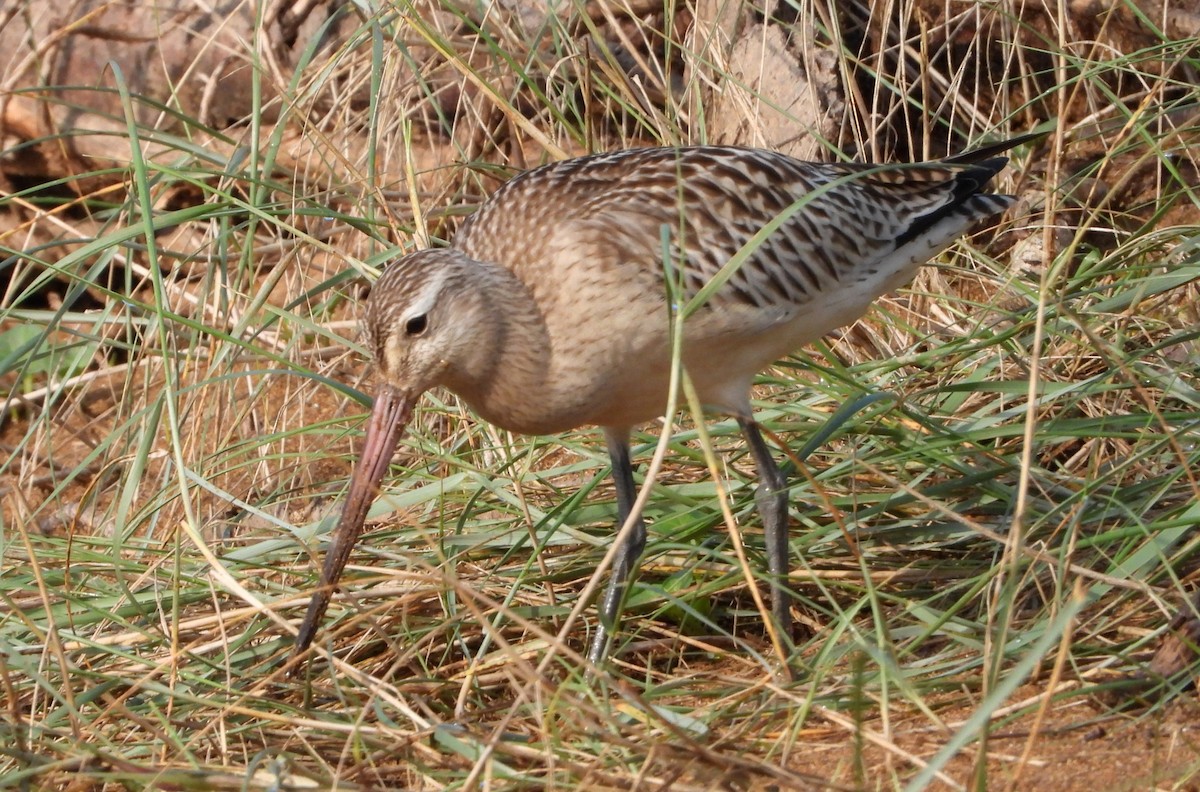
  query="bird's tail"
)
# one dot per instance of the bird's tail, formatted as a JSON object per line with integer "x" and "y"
{"x": 987, "y": 151}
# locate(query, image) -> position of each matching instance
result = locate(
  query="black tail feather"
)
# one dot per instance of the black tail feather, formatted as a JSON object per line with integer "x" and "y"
{"x": 983, "y": 153}
{"x": 968, "y": 184}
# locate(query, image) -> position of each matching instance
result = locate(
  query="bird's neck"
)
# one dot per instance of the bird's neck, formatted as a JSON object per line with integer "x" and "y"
{"x": 508, "y": 363}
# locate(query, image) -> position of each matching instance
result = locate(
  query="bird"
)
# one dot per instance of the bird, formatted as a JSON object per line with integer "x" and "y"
{"x": 550, "y": 309}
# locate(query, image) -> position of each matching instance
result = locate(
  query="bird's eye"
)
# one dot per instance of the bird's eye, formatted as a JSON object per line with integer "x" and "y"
{"x": 416, "y": 325}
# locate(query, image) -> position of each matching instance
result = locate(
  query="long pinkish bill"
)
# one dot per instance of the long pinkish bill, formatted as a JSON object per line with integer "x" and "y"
{"x": 389, "y": 416}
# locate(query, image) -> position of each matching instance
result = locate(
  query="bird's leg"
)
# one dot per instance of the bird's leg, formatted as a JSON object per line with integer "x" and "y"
{"x": 629, "y": 554}
{"x": 773, "y": 507}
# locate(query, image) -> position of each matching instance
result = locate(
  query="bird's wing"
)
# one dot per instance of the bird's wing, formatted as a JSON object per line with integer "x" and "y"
{"x": 799, "y": 229}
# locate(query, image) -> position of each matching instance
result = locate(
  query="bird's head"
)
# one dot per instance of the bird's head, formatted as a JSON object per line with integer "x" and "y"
{"x": 427, "y": 322}
{"x": 426, "y": 325}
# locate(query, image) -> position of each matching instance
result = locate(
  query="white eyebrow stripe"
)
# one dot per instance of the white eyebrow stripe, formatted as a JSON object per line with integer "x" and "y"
{"x": 424, "y": 301}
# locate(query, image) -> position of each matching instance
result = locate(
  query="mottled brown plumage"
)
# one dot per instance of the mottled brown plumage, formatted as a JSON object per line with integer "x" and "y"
{"x": 551, "y": 308}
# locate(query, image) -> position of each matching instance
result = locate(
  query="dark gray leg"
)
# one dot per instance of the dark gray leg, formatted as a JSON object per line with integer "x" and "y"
{"x": 773, "y": 507}
{"x": 630, "y": 553}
